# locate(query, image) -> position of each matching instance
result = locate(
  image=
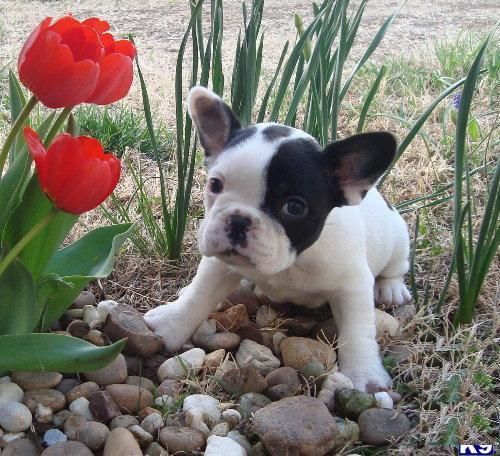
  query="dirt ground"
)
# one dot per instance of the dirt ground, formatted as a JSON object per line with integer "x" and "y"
{"x": 158, "y": 26}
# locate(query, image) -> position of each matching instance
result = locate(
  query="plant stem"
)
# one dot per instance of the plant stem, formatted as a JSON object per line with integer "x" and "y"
{"x": 18, "y": 123}
{"x": 26, "y": 239}
{"x": 61, "y": 118}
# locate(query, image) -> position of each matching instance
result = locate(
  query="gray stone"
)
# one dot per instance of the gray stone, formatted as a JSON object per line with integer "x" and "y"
{"x": 70, "y": 448}
{"x": 124, "y": 321}
{"x": 405, "y": 313}
{"x": 21, "y": 447}
{"x": 170, "y": 387}
{"x": 72, "y": 425}
{"x": 67, "y": 384}
{"x": 152, "y": 423}
{"x": 15, "y": 417}
{"x": 277, "y": 392}
{"x": 155, "y": 449}
{"x": 10, "y": 392}
{"x": 244, "y": 380}
{"x": 351, "y": 402}
{"x": 181, "y": 439}
{"x": 284, "y": 375}
{"x": 379, "y": 426}
{"x": 85, "y": 298}
{"x": 121, "y": 442}
{"x": 113, "y": 373}
{"x": 347, "y": 433}
{"x": 253, "y": 354}
{"x": 249, "y": 403}
{"x": 78, "y": 328}
{"x": 123, "y": 421}
{"x": 36, "y": 380}
{"x": 93, "y": 434}
{"x": 143, "y": 437}
{"x": 53, "y": 436}
{"x": 47, "y": 397}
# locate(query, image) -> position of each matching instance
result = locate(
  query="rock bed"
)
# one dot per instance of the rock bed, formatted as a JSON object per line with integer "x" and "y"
{"x": 257, "y": 379}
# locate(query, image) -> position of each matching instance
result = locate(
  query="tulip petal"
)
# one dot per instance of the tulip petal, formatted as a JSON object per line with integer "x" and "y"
{"x": 31, "y": 39}
{"x": 115, "y": 79}
{"x": 97, "y": 24}
{"x": 125, "y": 47}
{"x": 38, "y": 153}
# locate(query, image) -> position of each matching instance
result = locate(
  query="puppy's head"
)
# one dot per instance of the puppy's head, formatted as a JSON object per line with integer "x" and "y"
{"x": 271, "y": 187}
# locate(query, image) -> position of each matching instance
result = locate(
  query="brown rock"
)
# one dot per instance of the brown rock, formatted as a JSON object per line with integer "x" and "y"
{"x": 297, "y": 352}
{"x": 405, "y": 313}
{"x": 130, "y": 398}
{"x": 181, "y": 439}
{"x": 78, "y": 328}
{"x": 93, "y": 434}
{"x": 327, "y": 331}
{"x": 232, "y": 319}
{"x": 379, "y": 426}
{"x": 69, "y": 448}
{"x": 121, "y": 442}
{"x": 21, "y": 447}
{"x": 284, "y": 375}
{"x": 299, "y": 425}
{"x": 36, "y": 380}
{"x": 84, "y": 390}
{"x": 115, "y": 372}
{"x": 140, "y": 381}
{"x": 97, "y": 338}
{"x": 103, "y": 407}
{"x": 214, "y": 359}
{"x": 277, "y": 392}
{"x": 124, "y": 321}
{"x": 67, "y": 384}
{"x": 299, "y": 326}
{"x": 85, "y": 298}
{"x": 170, "y": 387}
{"x": 250, "y": 331}
{"x": 226, "y": 340}
{"x": 245, "y": 296}
{"x": 146, "y": 411}
{"x": 47, "y": 397}
{"x": 72, "y": 425}
{"x": 244, "y": 380}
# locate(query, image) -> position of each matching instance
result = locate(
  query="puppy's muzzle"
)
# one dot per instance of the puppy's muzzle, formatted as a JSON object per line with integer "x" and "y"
{"x": 237, "y": 227}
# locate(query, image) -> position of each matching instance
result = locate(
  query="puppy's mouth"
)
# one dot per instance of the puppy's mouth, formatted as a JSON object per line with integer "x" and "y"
{"x": 235, "y": 258}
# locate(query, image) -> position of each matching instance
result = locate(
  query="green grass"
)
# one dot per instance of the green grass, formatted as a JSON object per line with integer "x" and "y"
{"x": 120, "y": 128}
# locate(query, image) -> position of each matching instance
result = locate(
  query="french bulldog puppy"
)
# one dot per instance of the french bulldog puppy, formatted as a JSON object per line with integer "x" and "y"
{"x": 303, "y": 223}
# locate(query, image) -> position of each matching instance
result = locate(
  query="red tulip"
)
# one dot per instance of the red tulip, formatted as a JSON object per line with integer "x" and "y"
{"x": 75, "y": 172}
{"x": 71, "y": 62}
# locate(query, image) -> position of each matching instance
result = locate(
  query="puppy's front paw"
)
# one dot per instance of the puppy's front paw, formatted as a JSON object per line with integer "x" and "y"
{"x": 371, "y": 378}
{"x": 173, "y": 323}
{"x": 391, "y": 292}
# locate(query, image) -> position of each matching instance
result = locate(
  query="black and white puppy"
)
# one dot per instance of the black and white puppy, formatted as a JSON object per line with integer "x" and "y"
{"x": 304, "y": 223}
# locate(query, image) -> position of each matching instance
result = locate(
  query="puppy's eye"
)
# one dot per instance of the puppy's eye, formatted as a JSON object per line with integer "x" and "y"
{"x": 294, "y": 208}
{"x": 215, "y": 185}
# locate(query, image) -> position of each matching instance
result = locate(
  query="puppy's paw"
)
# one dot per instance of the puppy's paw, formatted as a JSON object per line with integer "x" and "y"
{"x": 173, "y": 323}
{"x": 371, "y": 378}
{"x": 391, "y": 292}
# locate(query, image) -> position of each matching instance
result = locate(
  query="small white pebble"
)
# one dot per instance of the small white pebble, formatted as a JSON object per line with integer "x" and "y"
{"x": 231, "y": 417}
{"x": 164, "y": 401}
{"x": 11, "y": 436}
{"x": 383, "y": 400}
{"x": 5, "y": 379}
{"x": 54, "y": 436}
{"x": 104, "y": 307}
{"x": 43, "y": 414}
{"x": 80, "y": 407}
{"x": 194, "y": 419}
{"x": 91, "y": 316}
{"x": 220, "y": 429}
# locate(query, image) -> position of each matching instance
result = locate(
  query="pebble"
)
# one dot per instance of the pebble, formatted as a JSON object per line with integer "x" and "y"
{"x": 220, "y": 429}
{"x": 78, "y": 328}
{"x": 170, "y": 387}
{"x": 181, "y": 366}
{"x": 231, "y": 319}
{"x": 155, "y": 449}
{"x": 214, "y": 359}
{"x": 332, "y": 382}
{"x": 60, "y": 417}
{"x": 314, "y": 370}
{"x": 15, "y": 417}
{"x": 72, "y": 426}
{"x": 249, "y": 403}
{"x": 347, "y": 433}
{"x": 244, "y": 295}
{"x": 164, "y": 401}
{"x": 72, "y": 314}
{"x": 351, "y": 402}
{"x": 386, "y": 324}
{"x": 405, "y": 313}
{"x": 277, "y": 339}
{"x": 125, "y": 322}
{"x": 231, "y": 417}
{"x": 266, "y": 317}
{"x": 181, "y": 439}
{"x": 36, "y": 380}
{"x": 98, "y": 338}
{"x": 130, "y": 398}
{"x": 194, "y": 419}
{"x": 380, "y": 426}
{"x": 54, "y": 436}
{"x": 43, "y": 414}
{"x": 104, "y": 307}
{"x": 91, "y": 316}
{"x": 143, "y": 437}
{"x": 383, "y": 400}
{"x": 10, "y": 392}
{"x": 93, "y": 434}
{"x": 143, "y": 382}
{"x": 277, "y": 392}
{"x": 85, "y": 298}
{"x": 207, "y": 405}
{"x": 70, "y": 448}
{"x": 224, "y": 340}
{"x": 21, "y": 447}
{"x": 152, "y": 423}
{"x": 285, "y": 431}
{"x": 297, "y": 352}
{"x": 47, "y": 397}
{"x": 83, "y": 390}
{"x": 284, "y": 375}
{"x": 103, "y": 407}
{"x": 244, "y": 380}
{"x": 67, "y": 384}
{"x": 123, "y": 421}
{"x": 113, "y": 373}
{"x": 121, "y": 442}
{"x": 260, "y": 357}
{"x": 238, "y": 438}
{"x": 223, "y": 446}
{"x": 8, "y": 437}
{"x": 80, "y": 407}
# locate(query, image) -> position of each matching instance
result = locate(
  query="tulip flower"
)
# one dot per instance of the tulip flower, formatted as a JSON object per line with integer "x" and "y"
{"x": 75, "y": 173}
{"x": 70, "y": 62}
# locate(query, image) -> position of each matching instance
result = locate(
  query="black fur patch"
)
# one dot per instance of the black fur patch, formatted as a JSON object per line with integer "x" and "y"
{"x": 297, "y": 169}
{"x": 239, "y": 135}
{"x": 274, "y": 132}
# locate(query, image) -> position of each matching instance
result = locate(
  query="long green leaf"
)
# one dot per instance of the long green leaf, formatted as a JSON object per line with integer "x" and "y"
{"x": 54, "y": 353}
{"x": 369, "y": 98}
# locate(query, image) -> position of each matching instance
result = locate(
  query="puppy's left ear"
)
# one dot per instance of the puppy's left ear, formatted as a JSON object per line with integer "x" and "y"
{"x": 356, "y": 163}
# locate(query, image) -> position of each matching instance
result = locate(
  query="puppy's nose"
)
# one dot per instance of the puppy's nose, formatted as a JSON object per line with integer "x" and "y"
{"x": 238, "y": 226}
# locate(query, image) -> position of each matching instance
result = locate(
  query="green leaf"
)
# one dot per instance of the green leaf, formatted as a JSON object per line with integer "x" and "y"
{"x": 33, "y": 208}
{"x": 54, "y": 353}
{"x": 17, "y": 103}
{"x": 474, "y": 130}
{"x": 90, "y": 257}
{"x": 17, "y": 302}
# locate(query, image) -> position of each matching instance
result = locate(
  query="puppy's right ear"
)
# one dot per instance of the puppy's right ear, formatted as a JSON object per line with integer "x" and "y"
{"x": 214, "y": 120}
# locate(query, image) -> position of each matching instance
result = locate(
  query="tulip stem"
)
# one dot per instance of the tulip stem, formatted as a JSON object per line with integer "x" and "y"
{"x": 61, "y": 118}
{"x": 26, "y": 239}
{"x": 18, "y": 123}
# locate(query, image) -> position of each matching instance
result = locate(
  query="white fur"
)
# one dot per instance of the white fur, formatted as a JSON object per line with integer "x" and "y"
{"x": 357, "y": 244}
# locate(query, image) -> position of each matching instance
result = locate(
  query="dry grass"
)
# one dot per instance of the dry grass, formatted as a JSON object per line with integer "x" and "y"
{"x": 450, "y": 384}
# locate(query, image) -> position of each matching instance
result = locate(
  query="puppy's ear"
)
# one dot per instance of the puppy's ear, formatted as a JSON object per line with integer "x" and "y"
{"x": 356, "y": 163}
{"x": 214, "y": 120}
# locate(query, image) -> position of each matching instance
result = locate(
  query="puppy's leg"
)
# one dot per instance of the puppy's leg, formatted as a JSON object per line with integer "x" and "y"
{"x": 176, "y": 322}
{"x": 358, "y": 354}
